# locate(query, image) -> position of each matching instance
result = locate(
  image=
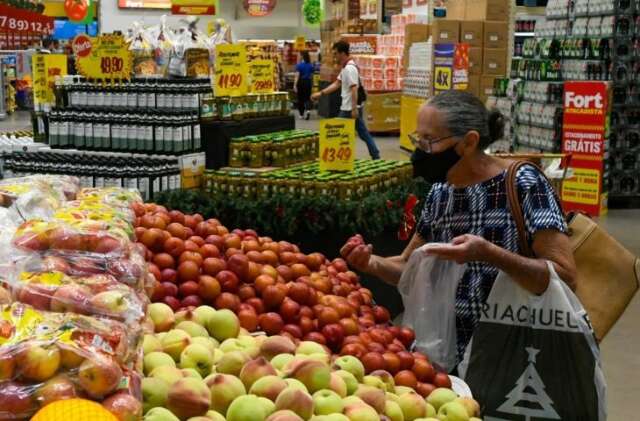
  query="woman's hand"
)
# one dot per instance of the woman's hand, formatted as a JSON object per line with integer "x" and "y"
{"x": 462, "y": 249}
{"x": 357, "y": 253}
{"x": 316, "y": 96}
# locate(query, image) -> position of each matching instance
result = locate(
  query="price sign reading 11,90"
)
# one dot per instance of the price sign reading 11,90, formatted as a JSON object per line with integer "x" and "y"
{"x": 231, "y": 70}
{"x": 337, "y": 144}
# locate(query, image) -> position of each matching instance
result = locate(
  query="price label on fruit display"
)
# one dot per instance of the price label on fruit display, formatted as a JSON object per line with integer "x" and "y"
{"x": 337, "y": 144}
{"x": 231, "y": 70}
{"x": 104, "y": 57}
{"x": 261, "y": 72}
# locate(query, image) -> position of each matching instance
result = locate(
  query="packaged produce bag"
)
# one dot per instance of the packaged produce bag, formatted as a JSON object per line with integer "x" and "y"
{"x": 46, "y": 356}
{"x": 535, "y": 356}
{"x": 428, "y": 287}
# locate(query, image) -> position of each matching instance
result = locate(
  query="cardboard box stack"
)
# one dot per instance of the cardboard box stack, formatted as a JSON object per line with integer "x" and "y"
{"x": 378, "y": 72}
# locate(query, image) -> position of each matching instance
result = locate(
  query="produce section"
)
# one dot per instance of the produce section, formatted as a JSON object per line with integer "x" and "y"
{"x": 242, "y": 327}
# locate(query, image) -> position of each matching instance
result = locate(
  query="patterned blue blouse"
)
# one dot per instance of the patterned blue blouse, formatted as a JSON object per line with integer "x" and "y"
{"x": 482, "y": 210}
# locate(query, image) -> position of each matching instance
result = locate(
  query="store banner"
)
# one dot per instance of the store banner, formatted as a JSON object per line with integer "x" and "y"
{"x": 46, "y": 67}
{"x": 451, "y": 67}
{"x": 262, "y": 76}
{"x": 337, "y": 144}
{"x": 194, "y": 7}
{"x": 106, "y": 57}
{"x": 19, "y": 21}
{"x": 585, "y": 111}
{"x": 232, "y": 70}
{"x": 258, "y": 8}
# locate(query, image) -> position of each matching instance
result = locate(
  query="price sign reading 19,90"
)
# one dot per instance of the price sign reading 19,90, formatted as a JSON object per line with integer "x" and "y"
{"x": 111, "y": 64}
{"x": 231, "y": 70}
{"x": 337, "y": 144}
{"x": 106, "y": 57}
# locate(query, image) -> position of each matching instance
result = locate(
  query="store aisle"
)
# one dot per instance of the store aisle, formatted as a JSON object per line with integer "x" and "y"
{"x": 20, "y": 120}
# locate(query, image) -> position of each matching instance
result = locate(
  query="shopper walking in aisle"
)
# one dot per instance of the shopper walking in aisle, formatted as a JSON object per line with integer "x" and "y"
{"x": 467, "y": 211}
{"x": 302, "y": 85}
{"x": 352, "y": 94}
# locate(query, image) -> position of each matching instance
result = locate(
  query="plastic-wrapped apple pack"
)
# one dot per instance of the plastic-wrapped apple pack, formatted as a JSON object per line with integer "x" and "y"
{"x": 45, "y": 357}
{"x": 81, "y": 235}
{"x": 98, "y": 294}
{"x": 113, "y": 196}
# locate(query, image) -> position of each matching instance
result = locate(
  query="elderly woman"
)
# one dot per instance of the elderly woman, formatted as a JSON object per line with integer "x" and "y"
{"x": 468, "y": 213}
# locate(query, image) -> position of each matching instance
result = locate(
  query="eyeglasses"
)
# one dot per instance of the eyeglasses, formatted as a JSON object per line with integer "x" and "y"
{"x": 425, "y": 144}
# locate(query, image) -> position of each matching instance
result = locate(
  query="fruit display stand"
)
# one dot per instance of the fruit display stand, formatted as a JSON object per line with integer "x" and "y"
{"x": 242, "y": 327}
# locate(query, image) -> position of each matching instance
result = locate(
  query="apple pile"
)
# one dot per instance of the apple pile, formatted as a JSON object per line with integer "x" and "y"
{"x": 200, "y": 364}
{"x": 275, "y": 288}
{"x": 47, "y": 357}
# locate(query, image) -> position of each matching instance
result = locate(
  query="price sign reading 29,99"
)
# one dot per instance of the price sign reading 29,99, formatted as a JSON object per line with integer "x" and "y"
{"x": 231, "y": 70}
{"x": 337, "y": 144}
{"x": 261, "y": 76}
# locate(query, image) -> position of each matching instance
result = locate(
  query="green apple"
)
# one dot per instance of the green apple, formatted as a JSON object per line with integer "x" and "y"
{"x": 401, "y": 390}
{"x": 190, "y": 372}
{"x": 168, "y": 374}
{"x": 392, "y": 397}
{"x": 248, "y": 346}
{"x": 269, "y": 406}
{"x": 474, "y": 419}
{"x": 473, "y": 407}
{"x": 223, "y": 324}
{"x": 174, "y": 342}
{"x": 198, "y": 357}
{"x": 232, "y": 362}
{"x": 268, "y": 387}
{"x": 154, "y": 393}
{"x": 413, "y": 406}
{"x": 431, "y": 411}
{"x": 361, "y": 413}
{"x": 440, "y": 396}
{"x": 327, "y": 402}
{"x": 151, "y": 344}
{"x": 338, "y": 385}
{"x": 214, "y": 416}
{"x": 349, "y": 379}
{"x": 392, "y": 411}
{"x": 157, "y": 359}
{"x": 203, "y": 314}
{"x": 206, "y": 342}
{"x": 217, "y": 355}
{"x": 453, "y": 411}
{"x": 296, "y": 384}
{"x": 225, "y": 388}
{"x": 375, "y": 382}
{"x": 320, "y": 356}
{"x": 330, "y": 417}
{"x": 246, "y": 408}
{"x": 297, "y": 401}
{"x": 284, "y": 415}
{"x": 372, "y": 396}
{"x": 353, "y": 400}
{"x": 350, "y": 364}
{"x": 281, "y": 360}
{"x": 188, "y": 397}
{"x": 310, "y": 347}
{"x": 193, "y": 329}
{"x": 160, "y": 414}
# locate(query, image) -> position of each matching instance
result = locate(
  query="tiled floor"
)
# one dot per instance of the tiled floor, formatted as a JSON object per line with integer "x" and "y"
{"x": 620, "y": 349}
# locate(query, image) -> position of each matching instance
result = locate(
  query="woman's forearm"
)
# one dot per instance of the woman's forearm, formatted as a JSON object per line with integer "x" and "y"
{"x": 387, "y": 269}
{"x": 531, "y": 274}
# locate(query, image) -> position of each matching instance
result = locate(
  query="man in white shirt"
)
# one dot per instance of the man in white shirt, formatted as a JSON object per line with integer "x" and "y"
{"x": 348, "y": 82}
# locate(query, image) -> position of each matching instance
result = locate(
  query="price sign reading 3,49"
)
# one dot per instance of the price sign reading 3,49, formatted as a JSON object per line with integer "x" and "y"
{"x": 337, "y": 144}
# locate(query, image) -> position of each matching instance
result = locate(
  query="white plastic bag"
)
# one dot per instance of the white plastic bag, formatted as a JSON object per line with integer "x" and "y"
{"x": 428, "y": 287}
{"x": 535, "y": 356}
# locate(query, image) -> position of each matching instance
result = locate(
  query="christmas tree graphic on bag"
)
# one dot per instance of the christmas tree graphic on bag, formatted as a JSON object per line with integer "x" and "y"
{"x": 534, "y": 357}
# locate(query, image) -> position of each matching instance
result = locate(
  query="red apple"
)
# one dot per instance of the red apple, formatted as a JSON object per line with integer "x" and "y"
{"x": 271, "y": 323}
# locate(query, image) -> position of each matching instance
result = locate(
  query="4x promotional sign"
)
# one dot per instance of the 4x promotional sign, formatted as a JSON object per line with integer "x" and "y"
{"x": 586, "y": 106}
{"x": 337, "y": 144}
{"x": 451, "y": 67}
{"x": 232, "y": 70}
{"x": 106, "y": 57}
{"x": 14, "y": 20}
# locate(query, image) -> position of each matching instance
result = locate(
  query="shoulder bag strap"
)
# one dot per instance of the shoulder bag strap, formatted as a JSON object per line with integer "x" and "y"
{"x": 516, "y": 207}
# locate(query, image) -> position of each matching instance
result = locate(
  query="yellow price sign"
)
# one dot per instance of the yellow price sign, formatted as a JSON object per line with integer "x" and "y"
{"x": 300, "y": 43}
{"x": 443, "y": 78}
{"x": 337, "y": 144}
{"x": 45, "y": 69}
{"x": 231, "y": 70}
{"x": 103, "y": 57}
{"x": 261, "y": 72}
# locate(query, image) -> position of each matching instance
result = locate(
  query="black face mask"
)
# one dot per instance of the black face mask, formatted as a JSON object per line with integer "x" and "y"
{"x": 433, "y": 167}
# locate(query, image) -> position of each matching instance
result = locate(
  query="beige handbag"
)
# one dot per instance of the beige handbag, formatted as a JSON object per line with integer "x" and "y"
{"x": 608, "y": 273}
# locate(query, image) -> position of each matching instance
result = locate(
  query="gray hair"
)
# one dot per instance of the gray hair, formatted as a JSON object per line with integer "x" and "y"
{"x": 464, "y": 112}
